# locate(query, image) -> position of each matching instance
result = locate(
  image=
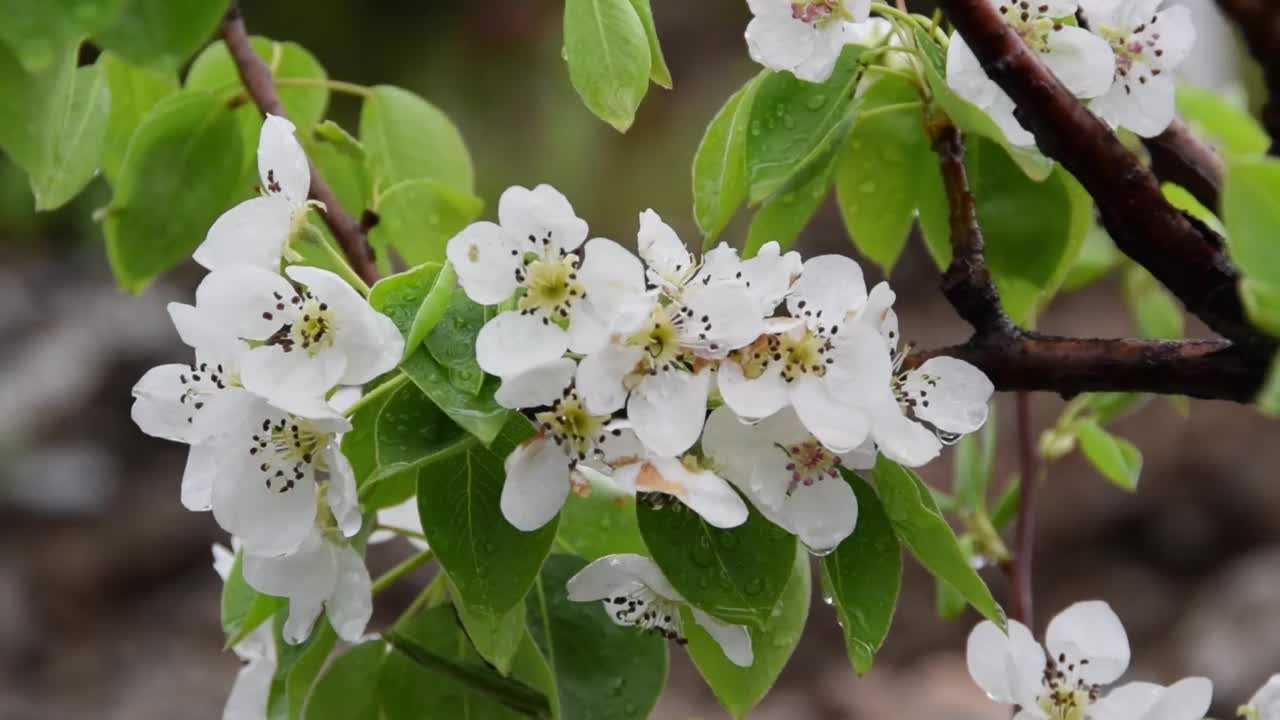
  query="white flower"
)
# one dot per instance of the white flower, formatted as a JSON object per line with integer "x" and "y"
{"x": 1148, "y": 46}
{"x": 702, "y": 490}
{"x": 1081, "y": 60}
{"x": 806, "y": 363}
{"x": 790, "y": 477}
{"x": 403, "y": 517}
{"x": 636, "y": 593}
{"x": 320, "y": 574}
{"x": 260, "y": 467}
{"x": 252, "y": 687}
{"x": 531, "y": 249}
{"x": 803, "y": 37}
{"x": 1088, "y": 649}
{"x": 308, "y": 339}
{"x": 1265, "y": 704}
{"x": 257, "y": 231}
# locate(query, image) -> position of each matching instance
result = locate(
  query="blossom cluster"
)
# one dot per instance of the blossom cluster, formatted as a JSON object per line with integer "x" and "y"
{"x": 1120, "y": 58}
{"x": 261, "y": 406}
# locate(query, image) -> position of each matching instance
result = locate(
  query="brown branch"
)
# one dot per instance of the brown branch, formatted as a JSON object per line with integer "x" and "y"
{"x": 1022, "y": 553}
{"x": 1179, "y": 157}
{"x": 1184, "y": 256}
{"x": 258, "y": 82}
{"x": 1259, "y": 20}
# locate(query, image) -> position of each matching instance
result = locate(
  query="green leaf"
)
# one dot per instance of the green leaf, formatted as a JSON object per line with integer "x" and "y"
{"x": 215, "y": 71}
{"x": 91, "y": 15}
{"x": 297, "y": 667}
{"x": 1268, "y": 400}
{"x": 1185, "y": 201}
{"x": 973, "y": 461}
{"x": 162, "y": 33}
{"x": 658, "y": 71}
{"x": 1116, "y": 458}
{"x": 1262, "y": 304}
{"x": 1251, "y": 209}
{"x": 948, "y": 603}
{"x": 739, "y": 689}
{"x": 736, "y": 574}
{"x": 418, "y": 217}
{"x": 73, "y": 140}
{"x": 435, "y": 674}
{"x": 930, "y": 539}
{"x": 600, "y": 521}
{"x": 1098, "y": 256}
{"x": 720, "y": 164}
{"x": 879, "y": 177}
{"x": 1155, "y": 312}
{"x": 496, "y": 637}
{"x": 28, "y": 102}
{"x": 783, "y": 217}
{"x": 415, "y": 300}
{"x": 863, "y": 577}
{"x": 243, "y": 608}
{"x": 408, "y": 138}
{"x": 1228, "y": 125}
{"x": 452, "y": 342}
{"x": 40, "y": 33}
{"x": 797, "y": 127}
{"x": 607, "y": 49}
{"x": 349, "y": 688}
{"x": 179, "y": 174}
{"x": 969, "y": 118}
{"x": 134, "y": 91}
{"x": 1109, "y": 406}
{"x": 491, "y": 563}
{"x": 599, "y": 667}
{"x": 340, "y": 159}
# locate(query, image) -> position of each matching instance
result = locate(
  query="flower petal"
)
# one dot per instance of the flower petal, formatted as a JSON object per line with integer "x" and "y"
{"x": 309, "y": 572}
{"x": 1084, "y": 62}
{"x": 269, "y": 521}
{"x": 370, "y": 341}
{"x": 601, "y": 375}
{"x": 250, "y": 691}
{"x": 240, "y": 301}
{"x": 839, "y": 426}
{"x": 255, "y": 232}
{"x": 965, "y": 74}
{"x": 822, "y": 515}
{"x": 1177, "y": 31}
{"x": 601, "y": 578}
{"x": 828, "y": 289}
{"x": 160, "y": 407}
{"x": 827, "y": 45}
{"x": 1090, "y": 631}
{"x": 990, "y": 655}
{"x": 903, "y": 440}
{"x": 344, "y": 500}
{"x": 702, "y": 491}
{"x": 350, "y": 606}
{"x": 543, "y": 213}
{"x": 663, "y": 250}
{"x": 613, "y": 279}
{"x": 485, "y": 258}
{"x": 770, "y": 274}
{"x": 950, "y": 394}
{"x": 1145, "y": 107}
{"x": 779, "y": 42}
{"x": 198, "y": 477}
{"x": 282, "y": 164}
{"x": 537, "y": 483}
{"x": 752, "y": 398}
{"x": 723, "y": 318}
{"x": 295, "y": 382}
{"x": 667, "y": 410}
{"x": 513, "y": 343}
{"x": 734, "y": 640}
{"x": 541, "y": 385}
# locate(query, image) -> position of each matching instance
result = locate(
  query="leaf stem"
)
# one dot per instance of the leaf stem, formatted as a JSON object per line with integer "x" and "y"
{"x": 340, "y": 261}
{"x": 402, "y": 532}
{"x": 385, "y": 388}
{"x": 896, "y": 107}
{"x": 509, "y": 692}
{"x": 341, "y": 86}
{"x": 399, "y": 571}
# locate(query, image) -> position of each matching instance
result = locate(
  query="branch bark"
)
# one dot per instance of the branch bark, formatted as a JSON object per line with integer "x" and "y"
{"x": 257, "y": 80}
{"x": 1179, "y": 157}
{"x": 1259, "y": 20}
{"x": 1184, "y": 255}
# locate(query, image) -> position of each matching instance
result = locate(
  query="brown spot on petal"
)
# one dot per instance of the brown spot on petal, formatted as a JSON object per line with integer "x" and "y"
{"x": 473, "y": 253}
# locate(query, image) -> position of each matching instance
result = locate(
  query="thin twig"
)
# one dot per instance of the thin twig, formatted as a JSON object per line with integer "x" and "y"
{"x": 258, "y": 82}
{"x": 1021, "y": 607}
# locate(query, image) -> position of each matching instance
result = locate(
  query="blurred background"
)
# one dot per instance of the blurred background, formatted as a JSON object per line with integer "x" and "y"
{"x": 108, "y": 604}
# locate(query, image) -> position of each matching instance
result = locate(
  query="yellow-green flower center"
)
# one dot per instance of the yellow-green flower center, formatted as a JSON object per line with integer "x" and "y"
{"x": 1028, "y": 20}
{"x": 311, "y": 332}
{"x": 569, "y": 424}
{"x": 805, "y": 354}
{"x": 551, "y": 285}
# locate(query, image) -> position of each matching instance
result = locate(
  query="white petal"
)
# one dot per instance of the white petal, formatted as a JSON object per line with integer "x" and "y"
{"x": 1146, "y": 108}
{"x": 537, "y": 484}
{"x": 1107, "y": 12}
{"x": 1084, "y": 62}
{"x": 752, "y": 398}
{"x": 1266, "y": 701}
{"x": 613, "y": 278}
{"x": 702, "y": 491}
{"x": 878, "y": 313}
{"x": 770, "y": 274}
{"x": 990, "y": 654}
{"x": 1187, "y": 699}
{"x": 293, "y": 381}
{"x": 1129, "y": 702}
{"x": 1177, "y": 35}
{"x": 255, "y": 232}
{"x": 601, "y": 375}
{"x": 250, "y": 691}
{"x": 950, "y": 394}
{"x": 351, "y": 604}
{"x": 541, "y": 385}
{"x": 667, "y": 410}
{"x": 829, "y": 287}
{"x": 862, "y": 457}
{"x": 344, "y": 500}
{"x": 725, "y": 317}
{"x": 602, "y": 577}
{"x": 733, "y": 445}
{"x": 1001, "y": 111}
{"x": 827, "y": 45}
{"x": 270, "y": 522}
{"x": 965, "y": 74}
{"x": 199, "y": 476}
{"x": 734, "y": 640}
{"x": 903, "y": 440}
{"x": 513, "y": 343}
{"x": 1090, "y": 631}
{"x": 157, "y": 407}
{"x": 619, "y": 444}
{"x": 823, "y": 514}
{"x": 223, "y": 560}
{"x": 303, "y": 613}
{"x": 542, "y": 213}
{"x": 486, "y": 259}
{"x": 839, "y": 426}
{"x": 588, "y": 331}
{"x": 240, "y": 302}
{"x": 721, "y": 264}
{"x": 309, "y": 572}
{"x": 370, "y": 341}
{"x": 779, "y": 42}
{"x": 282, "y": 165}
{"x": 663, "y": 251}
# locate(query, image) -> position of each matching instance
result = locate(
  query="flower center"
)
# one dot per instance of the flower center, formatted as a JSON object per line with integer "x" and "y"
{"x": 754, "y": 358}
{"x": 809, "y": 462}
{"x": 1031, "y": 23}
{"x": 645, "y": 609}
{"x": 203, "y": 381}
{"x": 1065, "y": 697}
{"x": 288, "y": 448}
{"x": 803, "y": 354}
{"x": 660, "y": 339}
{"x": 819, "y": 13}
{"x": 1141, "y": 45}
{"x": 568, "y": 423}
{"x": 312, "y": 325}
{"x": 551, "y": 285}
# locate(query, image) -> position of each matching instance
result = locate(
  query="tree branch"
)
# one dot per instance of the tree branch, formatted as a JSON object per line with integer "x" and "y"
{"x": 1185, "y": 256}
{"x": 258, "y": 82}
{"x": 1259, "y": 20}
{"x": 1022, "y": 554}
{"x": 1179, "y": 157}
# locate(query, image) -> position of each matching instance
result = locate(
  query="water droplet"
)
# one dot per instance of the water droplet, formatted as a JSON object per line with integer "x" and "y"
{"x": 780, "y": 110}
{"x": 815, "y": 102}
{"x": 434, "y": 218}
{"x": 867, "y": 186}
{"x": 704, "y": 582}
{"x": 702, "y": 555}
{"x": 490, "y": 548}
{"x": 856, "y": 144}
{"x": 771, "y": 123}
{"x": 728, "y": 541}
{"x": 630, "y": 709}
{"x": 826, "y": 598}
{"x": 892, "y": 153}
{"x": 754, "y": 586}
{"x": 820, "y": 552}
{"x": 755, "y": 127}
{"x": 789, "y": 122}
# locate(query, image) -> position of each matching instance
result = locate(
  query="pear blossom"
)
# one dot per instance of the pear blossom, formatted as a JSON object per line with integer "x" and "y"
{"x": 252, "y": 687}
{"x": 307, "y": 338}
{"x": 532, "y": 248}
{"x": 635, "y": 593}
{"x": 700, "y": 489}
{"x": 261, "y": 467}
{"x": 803, "y": 37}
{"x": 257, "y": 231}
{"x": 1083, "y": 61}
{"x": 1265, "y": 703}
{"x": 807, "y": 360}
{"x": 788, "y": 475}
{"x": 320, "y": 574}
{"x": 1087, "y": 650}
{"x": 1149, "y": 44}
